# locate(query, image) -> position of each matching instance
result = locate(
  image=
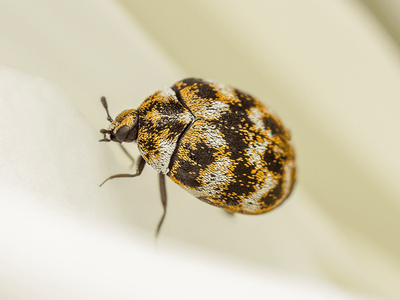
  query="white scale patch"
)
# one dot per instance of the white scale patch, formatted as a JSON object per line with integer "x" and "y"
{"x": 213, "y": 139}
{"x": 186, "y": 117}
{"x": 166, "y": 149}
{"x": 214, "y": 110}
{"x": 222, "y": 88}
{"x": 221, "y": 177}
{"x": 252, "y": 204}
{"x": 256, "y": 151}
{"x": 256, "y": 117}
{"x": 168, "y": 92}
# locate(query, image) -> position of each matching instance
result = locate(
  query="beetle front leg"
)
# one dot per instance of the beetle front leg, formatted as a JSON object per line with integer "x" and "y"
{"x": 128, "y": 154}
{"x": 139, "y": 168}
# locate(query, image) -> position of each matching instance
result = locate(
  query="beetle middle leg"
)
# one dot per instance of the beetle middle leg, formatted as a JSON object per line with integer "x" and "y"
{"x": 139, "y": 168}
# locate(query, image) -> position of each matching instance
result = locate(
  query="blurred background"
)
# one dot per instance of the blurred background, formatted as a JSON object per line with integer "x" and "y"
{"x": 331, "y": 71}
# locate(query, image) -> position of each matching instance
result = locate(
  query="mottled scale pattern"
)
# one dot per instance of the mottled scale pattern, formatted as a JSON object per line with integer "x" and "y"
{"x": 220, "y": 144}
{"x": 162, "y": 120}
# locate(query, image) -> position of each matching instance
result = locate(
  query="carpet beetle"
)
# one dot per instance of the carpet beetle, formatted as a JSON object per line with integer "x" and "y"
{"x": 220, "y": 144}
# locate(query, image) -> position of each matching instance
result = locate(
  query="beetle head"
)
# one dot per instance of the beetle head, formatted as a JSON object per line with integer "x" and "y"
{"x": 124, "y": 128}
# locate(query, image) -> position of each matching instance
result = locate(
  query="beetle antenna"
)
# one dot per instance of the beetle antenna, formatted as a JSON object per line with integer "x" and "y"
{"x": 104, "y": 102}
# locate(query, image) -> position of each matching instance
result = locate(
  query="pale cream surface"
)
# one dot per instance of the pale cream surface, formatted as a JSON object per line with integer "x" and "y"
{"x": 330, "y": 69}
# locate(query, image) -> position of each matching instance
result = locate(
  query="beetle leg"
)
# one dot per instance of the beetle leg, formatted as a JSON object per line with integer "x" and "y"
{"x": 163, "y": 193}
{"x": 128, "y": 154}
{"x": 139, "y": 168}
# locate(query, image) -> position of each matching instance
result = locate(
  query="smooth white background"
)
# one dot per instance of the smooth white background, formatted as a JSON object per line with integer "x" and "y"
{"x": 331, "y": 71}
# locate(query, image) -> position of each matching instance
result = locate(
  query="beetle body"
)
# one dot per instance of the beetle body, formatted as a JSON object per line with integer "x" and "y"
{"x": 220, "y": 144}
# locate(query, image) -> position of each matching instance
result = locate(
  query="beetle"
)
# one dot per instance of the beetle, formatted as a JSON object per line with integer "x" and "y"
{"x": 220, "y": 144}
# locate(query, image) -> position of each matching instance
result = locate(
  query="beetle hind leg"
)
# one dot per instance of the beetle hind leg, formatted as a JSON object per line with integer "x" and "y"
{"x": 163, "y": 192}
